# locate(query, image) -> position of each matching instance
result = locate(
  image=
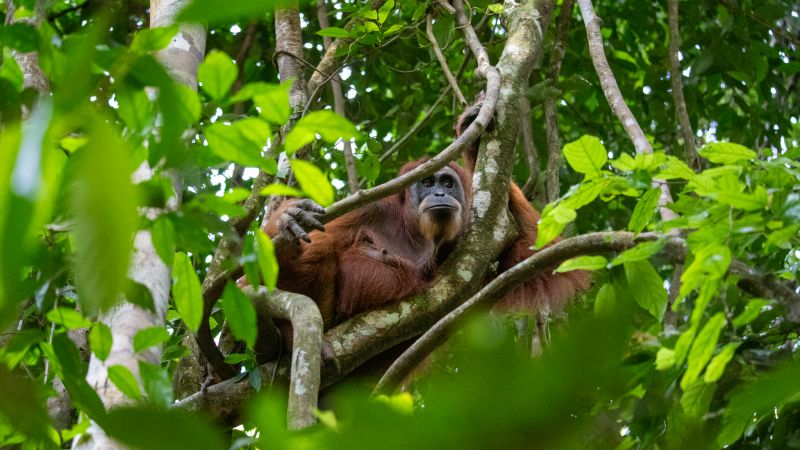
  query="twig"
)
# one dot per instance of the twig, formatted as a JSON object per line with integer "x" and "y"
{"x": 443, "y": 62}
{"x": 677, "y": 88}
{"x": 415, "y": 128}
{"x": 531, "y": 153}
{"x": 615, "y": 100}
{"x": 307, "y": 327}
{"x": 423, "y": 120}
{"x": 552, "y": 183}
{"x": 338, "y": 102}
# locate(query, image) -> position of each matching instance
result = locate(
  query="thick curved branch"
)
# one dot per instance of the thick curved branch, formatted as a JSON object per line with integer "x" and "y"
{"x": 537, "y": 263}
{"x": 306, "y": 321}
{"x": 615, "y": 100}
{"x": 601, "y": 242}
{"x": 677, "y": 87}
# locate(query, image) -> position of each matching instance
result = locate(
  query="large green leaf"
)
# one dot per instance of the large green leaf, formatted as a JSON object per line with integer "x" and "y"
{"x": 216, "y": 74}
{"x": 313, "y": 182}
{"x": 644, "y": 210}
{"x": 587, "y": 155}
{"x": 267, "y": 262}
{"x": 241, "y": 314}
{"x": 103, "y": 227}
{"x": 222, "y": 11}
{"x": 647, "y": 287}
{"x": 726, "y": 153}
{"x": 162, "y": 429}
{"x": 186, "y": 292}
{"x": 101, "y": 339}
{"x": 326, "y": 123}
{"x": 702, "y": 349}
{"x": 241, "y": 142}
{"x": 125, "y": 381}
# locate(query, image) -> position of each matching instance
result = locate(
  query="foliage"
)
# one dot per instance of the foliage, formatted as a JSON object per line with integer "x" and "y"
{"x": 647, "y": 359}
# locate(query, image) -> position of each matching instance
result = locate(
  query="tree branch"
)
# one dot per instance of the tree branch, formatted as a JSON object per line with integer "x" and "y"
{"x": 529, "y": 146}
{"x": 615, "y": 100}
{"x": 592, "y": 243}
{"x": 338, "y": 102}
{"x": 677, "y": 88}
{"x": 552, "y": 183}
{"x": 307, "y": 327}
{"x": 443, "y": 62}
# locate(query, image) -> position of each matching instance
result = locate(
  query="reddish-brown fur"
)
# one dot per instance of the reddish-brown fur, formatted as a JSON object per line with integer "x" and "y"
{"x": 383, "y": 252}
{"x": 374, "y": 255}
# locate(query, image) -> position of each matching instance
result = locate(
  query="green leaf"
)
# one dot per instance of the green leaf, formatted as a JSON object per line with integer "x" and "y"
{"x": 702, "y": 349}
{"x": 224, "y": 12}
{"x": 23, "y": 408}
{"x": 125, "y": 381}
{"x": 334, "y": 32}
{"x": 153, "y": 39}
{"x": 272, "y": 100}
{"x": 697, "y": 398}
{"x": 550, "y": 227}
{"x": 747, "y": 202}
{"x": 240, "y": 142}
{"x": 647, "y": 287}
{"x": 103, "y": 229}
{"x": 68, "y": 318}
{"x": 710, "y": 263}
{"x": 71, "y": 370}
{"x": 20, "y": 36}
{"x": 100, "y": 339}
{"x": 163, "y": 236}
{"x": 641, "y": 251}
{"x": 751, "y": 311}
{"x": 684, "y": 343}
{"x": 587, "y": 155}
{"x": 717, "y": 365}
{"x": 313, "y": 182}
{"x": 665, "y": 358}
{"x": 240, "y": 313}
{"x": 280, "y": 189}
{"x": 675, "y": 169}
{"x": 136, "y": 110}
{"x": 157, "y": 384}
{"x": 606, "y": 301}
{"x": 644, "y": 210}
{"x": 752, "y": 401}
{"x": 186, "y": 292}
{"x": 162, "y": 429}
{"x": 586, "y": 193}
{"x": 267, "y": 262}
{"x": 385, "y": 10}
{"x": 326, "y": 123}
{"x": 583, "y": 263}
{"x": 726, "y": 153}
{"x": 216, "y": 74}
{"x": 149, "y": 337}
{"x": 496, "y": 8}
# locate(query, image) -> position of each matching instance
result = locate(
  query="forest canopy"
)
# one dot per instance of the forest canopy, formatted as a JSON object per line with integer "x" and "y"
{"x": 144, "y": 146}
